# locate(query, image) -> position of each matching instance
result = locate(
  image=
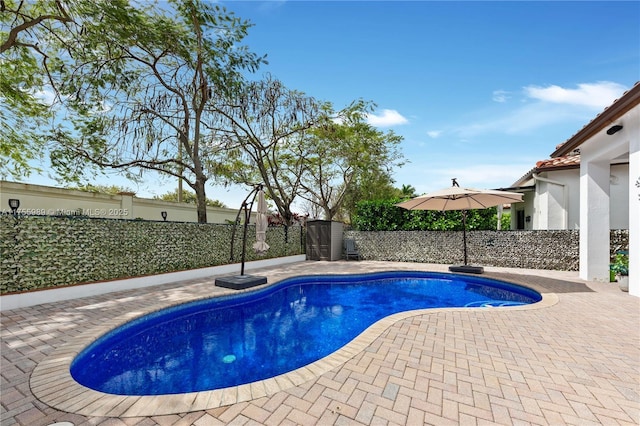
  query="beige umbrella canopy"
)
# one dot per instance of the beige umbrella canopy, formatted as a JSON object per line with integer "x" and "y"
{"x": 260, "y": 246}
{"x": 456, "y": 198}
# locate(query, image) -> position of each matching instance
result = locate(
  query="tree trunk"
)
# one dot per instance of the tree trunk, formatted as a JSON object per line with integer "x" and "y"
{"x": 287, "y": 217}
{"x": 328, "y": 212}
{"x": 201, "y": 200}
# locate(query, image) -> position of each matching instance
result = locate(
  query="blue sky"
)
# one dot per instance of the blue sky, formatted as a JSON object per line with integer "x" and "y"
{"x": 479, "y": 90}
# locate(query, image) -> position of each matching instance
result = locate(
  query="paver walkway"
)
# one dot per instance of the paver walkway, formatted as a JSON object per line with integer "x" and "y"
{"x": 576, "y": 362}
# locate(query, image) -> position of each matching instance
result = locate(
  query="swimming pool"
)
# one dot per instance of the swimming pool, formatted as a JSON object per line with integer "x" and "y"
{"x": 243, "y": 338}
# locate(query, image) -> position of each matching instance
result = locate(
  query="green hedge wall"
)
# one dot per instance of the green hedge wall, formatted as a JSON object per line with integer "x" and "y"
{"x": 39, "y": 252}
{"x": 384, "y": 215}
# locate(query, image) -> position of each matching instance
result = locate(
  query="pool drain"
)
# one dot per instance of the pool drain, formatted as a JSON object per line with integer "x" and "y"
{"x": 228, "y": 359}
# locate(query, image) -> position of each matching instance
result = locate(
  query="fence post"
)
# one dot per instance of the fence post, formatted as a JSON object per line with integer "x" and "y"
{"x": 126, "y": 205}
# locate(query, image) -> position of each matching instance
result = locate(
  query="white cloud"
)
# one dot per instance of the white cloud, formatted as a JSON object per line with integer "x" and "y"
{"x": 593, "y": 95}
{"x": 389, "y": 117}
{"x": 500, "y": 96}
{"x": 524, "y": 119}
{"x": 546, "y": 106}
{"x": 271, "y": 4}
{"x": 47, "y": 95}
{"x": 434, "y": 134}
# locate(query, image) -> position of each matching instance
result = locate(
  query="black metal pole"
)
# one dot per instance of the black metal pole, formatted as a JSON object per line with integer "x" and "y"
{"x": 244, "y": 237}
{"x": 253, "y": 192}
{"x": 464, "y": 234}
{"x": 233, "y": 231}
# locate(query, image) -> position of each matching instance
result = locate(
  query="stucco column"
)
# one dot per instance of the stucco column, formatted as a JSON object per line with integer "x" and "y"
{"x": 594, "y": 220}
{"x": 634, "y": 213}
{"x": 126, "y": 205}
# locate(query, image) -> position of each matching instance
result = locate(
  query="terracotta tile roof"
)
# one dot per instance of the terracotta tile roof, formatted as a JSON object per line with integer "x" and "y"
{"x": 559, "y": 162}
{"x": 564, "y": 162}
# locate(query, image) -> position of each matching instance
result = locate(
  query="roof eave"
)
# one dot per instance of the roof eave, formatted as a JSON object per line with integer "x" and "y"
{"x": 527, "y": 176}
{"x": 526, "y": 188}
{"x": 556, "y": 168}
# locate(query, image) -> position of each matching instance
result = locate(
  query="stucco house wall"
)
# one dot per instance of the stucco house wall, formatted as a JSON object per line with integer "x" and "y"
{"x": 554, "y": 203}
{"x": 559, "y": 200}
{"x": 619, "y": 196}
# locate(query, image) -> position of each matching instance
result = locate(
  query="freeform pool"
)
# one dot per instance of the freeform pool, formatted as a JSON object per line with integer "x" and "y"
{"x": 237, "y": 339}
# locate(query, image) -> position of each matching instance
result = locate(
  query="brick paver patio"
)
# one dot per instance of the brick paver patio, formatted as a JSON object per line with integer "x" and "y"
{"x": 575, "y": 362}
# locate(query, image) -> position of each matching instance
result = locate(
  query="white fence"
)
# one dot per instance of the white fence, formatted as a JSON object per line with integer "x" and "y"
{"x": 46, "y": 200}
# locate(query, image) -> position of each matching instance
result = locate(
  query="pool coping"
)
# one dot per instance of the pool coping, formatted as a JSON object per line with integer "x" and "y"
{"x": 51, "y": 381}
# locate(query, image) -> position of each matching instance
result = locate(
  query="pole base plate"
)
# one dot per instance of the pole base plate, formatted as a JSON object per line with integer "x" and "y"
{"x": 467, "y": 269}
{"x": 240, "y": 282}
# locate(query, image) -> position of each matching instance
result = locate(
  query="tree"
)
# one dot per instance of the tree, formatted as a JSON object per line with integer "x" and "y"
{"x": 29, "y": 19}
{"x": 187, "y": 197}
{"x": 32, "y": 35}
{"x": 373, "y": 184}
{"x": 136, "y": 85}
{"x": 408, "y": 192}
{"x": 263, "y": 126}
{"x": 341, "y": 150}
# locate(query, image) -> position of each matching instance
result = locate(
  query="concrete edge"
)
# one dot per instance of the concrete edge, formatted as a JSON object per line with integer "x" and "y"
{"x": 38, "y": 297}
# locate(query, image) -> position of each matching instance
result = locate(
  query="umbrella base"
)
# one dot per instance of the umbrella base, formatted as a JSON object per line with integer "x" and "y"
{"x": 240, "y": 282}
{"x": 467, "y": 269}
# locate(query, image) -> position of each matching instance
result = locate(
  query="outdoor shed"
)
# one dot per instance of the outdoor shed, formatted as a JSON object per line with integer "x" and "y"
{"x": 324, "y": 240}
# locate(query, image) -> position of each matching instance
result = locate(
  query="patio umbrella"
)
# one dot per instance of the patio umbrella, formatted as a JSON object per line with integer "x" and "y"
{"x": 262, "y": 223}
{"x": 456, "y": 198}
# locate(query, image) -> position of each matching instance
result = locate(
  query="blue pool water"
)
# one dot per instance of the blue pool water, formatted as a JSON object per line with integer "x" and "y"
{"x": 232, "y": 340}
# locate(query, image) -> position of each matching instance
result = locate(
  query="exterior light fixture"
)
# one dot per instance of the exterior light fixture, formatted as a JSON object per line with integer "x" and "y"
{"x": 164, "y": 215}
{"x": 14, "y": 203}
{"x": 614, "y": 129}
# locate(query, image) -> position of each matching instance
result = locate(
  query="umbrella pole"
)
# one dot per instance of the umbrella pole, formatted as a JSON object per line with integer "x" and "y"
{"x": 244, "y": 238}
{"x": 247, "y": 218}
{"x": 464, "y": 234}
